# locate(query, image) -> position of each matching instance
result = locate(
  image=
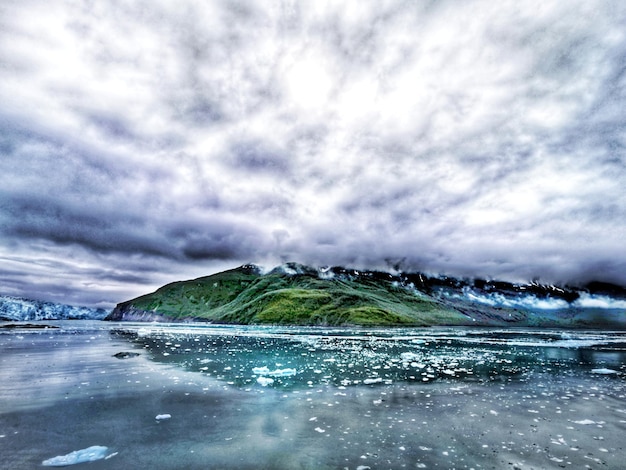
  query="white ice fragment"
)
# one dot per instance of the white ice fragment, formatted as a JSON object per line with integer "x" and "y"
{"x": 604, "y": 371}
{"x": 585, "y": 422}
{"x": 283, "y": 372}
{"x": 163, "y": 416}
{"x": 363, "y": 467}
{"x": 264, "y": 371}
{"x": 320, "y": 430}
{"x": 90, "y": 454}
{"x": 493, "y": 412}
{"x": 409, "y": 356}
{"x": 265, "y": 381}
{"x": 373, "y": 381}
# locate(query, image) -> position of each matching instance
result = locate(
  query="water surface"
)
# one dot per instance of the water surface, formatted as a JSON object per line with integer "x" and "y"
{"x": 278, "y": 397}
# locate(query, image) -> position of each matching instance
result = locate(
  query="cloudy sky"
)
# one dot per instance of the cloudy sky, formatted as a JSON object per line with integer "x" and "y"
{"x": 143, "y": 142}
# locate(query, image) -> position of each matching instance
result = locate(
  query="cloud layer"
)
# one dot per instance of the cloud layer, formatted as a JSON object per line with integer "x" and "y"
{"x": 143, "y": 142}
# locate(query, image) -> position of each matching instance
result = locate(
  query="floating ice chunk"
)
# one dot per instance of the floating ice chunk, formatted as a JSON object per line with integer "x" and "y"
{"x": 283, "y": 372}
{"x": 585, "y": 421}
{"x": 604, "y": 371}
{"x": 363, "y": 467}
{"x": 320, "y": 430}
{"x": 163, "y": 416}
{"x": 265, "y": 381}
{"x": 409, "y": 356}
{"x": 264, "y": 371}
{"x": 90, "y": 454}
{"x": 373, "y": 381}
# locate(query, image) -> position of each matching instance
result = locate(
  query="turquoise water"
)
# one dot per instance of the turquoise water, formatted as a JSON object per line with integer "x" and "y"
{"x": 296, "y": 358}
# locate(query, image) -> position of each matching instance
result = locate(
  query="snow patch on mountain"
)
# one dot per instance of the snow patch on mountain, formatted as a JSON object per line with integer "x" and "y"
{"x": 530, "y": 301}
{"x": 599, "y": 301}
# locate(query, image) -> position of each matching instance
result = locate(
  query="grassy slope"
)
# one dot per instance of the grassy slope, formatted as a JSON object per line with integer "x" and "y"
{"x": 243, "y": 296}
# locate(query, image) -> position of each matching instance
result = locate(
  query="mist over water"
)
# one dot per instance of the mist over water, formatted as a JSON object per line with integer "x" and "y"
{"x": 287, "y": 397}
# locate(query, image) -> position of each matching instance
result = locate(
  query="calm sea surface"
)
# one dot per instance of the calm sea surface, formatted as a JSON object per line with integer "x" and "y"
{"x": 193, "y": 396}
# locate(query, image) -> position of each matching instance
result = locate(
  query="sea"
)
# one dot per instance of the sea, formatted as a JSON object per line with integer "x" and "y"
{"x": 105, "y": 395}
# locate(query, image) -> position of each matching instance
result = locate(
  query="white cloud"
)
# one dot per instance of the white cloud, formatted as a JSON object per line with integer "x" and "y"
{"x": 478, "y": 137}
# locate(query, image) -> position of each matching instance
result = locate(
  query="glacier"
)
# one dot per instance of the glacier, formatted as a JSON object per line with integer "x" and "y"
{"x": 19, "y": 309}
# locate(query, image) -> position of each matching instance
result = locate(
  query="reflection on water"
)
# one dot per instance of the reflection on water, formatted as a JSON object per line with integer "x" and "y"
{"x": 312, "y": 398}
{"x": 303, "y": 357}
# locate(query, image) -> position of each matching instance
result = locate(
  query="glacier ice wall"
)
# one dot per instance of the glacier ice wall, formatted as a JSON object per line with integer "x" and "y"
{"x": 18, "y": 309}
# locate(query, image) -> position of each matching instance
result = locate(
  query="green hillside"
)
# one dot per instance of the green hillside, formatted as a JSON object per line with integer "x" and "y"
{"x": 245, "y": 296}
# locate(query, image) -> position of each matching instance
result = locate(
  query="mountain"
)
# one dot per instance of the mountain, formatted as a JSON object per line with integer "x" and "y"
{"x": 301, "y": 295}
{"x": 18, "y": 309}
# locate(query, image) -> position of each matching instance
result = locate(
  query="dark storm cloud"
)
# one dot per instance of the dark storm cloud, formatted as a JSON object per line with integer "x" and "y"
{"x": 147, "y": 142}
{"x": 66, "y": 224}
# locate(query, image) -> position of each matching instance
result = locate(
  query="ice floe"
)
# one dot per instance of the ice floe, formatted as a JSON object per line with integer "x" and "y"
{"x": 264, "y": 371}
{"x": 373, "y": 381}
{"x": 585, "y": 422}
{"x": 163, "y": 416}
{"x": 604, "y": 371}
{"x": 265, "y": 381}
{"x": 90, "y": 454}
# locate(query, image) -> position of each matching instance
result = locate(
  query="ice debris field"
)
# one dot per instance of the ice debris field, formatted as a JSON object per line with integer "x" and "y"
{"x": 292, "y": 358}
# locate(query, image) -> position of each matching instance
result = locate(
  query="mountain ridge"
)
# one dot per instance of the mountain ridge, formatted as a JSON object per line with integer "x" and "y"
{"x": 302, "y": 295}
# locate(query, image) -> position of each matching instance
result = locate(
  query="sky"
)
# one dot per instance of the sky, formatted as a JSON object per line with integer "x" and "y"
{"x": 144, "y": 142}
